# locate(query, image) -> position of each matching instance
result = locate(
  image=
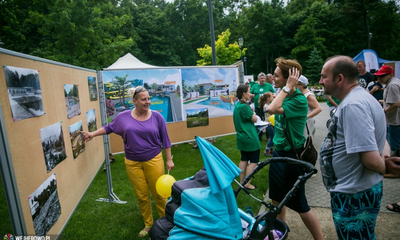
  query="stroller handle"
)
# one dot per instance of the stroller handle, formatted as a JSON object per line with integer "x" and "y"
{"x": 308, "y": 167}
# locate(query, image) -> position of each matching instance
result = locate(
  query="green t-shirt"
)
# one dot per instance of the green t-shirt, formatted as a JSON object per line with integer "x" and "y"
{"x": 246, "y": 134}
{"x": 296, "y": 109}
{"x": 258, "y": 90}
{"x": 334, "y": 99}
{"x": 251, "y": 84}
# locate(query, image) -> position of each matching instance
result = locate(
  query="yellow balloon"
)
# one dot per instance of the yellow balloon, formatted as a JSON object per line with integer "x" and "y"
{"x": 271, "y": 119}
{"x": 164, "y": 185}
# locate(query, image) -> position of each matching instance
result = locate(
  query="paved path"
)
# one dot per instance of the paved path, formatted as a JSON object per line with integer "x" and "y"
{"x": 387, "y": 223}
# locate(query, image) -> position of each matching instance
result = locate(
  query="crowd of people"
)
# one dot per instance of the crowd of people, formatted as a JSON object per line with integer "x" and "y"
{"x": 361, "y": 147}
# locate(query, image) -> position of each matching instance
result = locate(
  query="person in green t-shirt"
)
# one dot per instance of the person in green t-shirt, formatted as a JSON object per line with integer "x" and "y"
{"x": 290, "y": 108}
{"x": 257, "y": 90}
{"x": 332, "y": 102}
{"x": 246, "y": 134}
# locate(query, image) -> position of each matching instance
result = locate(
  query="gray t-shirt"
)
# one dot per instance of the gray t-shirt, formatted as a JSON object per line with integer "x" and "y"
{"x": 391, "y": 95}
{"x": 358, "y": 125}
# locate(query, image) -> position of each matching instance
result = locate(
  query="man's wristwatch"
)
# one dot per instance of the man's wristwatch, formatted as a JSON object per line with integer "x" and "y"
{"x": 286, "y": 89}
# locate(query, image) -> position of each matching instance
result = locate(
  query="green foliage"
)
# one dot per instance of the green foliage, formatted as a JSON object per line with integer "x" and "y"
{"x": 313, "y": 67}
{"x": 94, "y": 34}
{"x": 306, "y": 39}
{"x": 227, "y": 53}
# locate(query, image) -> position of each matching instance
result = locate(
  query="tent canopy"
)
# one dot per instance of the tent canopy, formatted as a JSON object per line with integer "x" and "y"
{"x": 371, "y": 59}
{"x": 129, "y": 62}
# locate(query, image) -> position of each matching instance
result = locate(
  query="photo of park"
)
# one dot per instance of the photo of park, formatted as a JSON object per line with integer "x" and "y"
{"x": 45, "y": 206}
{"x": 77, "y": 141}
{"x": 24, "y": 92}
{"x": 91, "y": 120}
{"x": 71, "y": 94}
{"x": 197, "y": 117}
{"x": 53, "y": 145}
{"x": 92, "y": 88}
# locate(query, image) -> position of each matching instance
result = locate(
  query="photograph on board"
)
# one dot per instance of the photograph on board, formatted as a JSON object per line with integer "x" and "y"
{"x": 213, "y": 88}
{"x": 45, "y": 206}
{"x": 197, "y": 117}
{"x": 163, "y": 85}
{"x": 77, "y": 142}
{"x": 92, "y": 88}
{"x": 91, "y": 120}
{"x": 24, "y": 92}
{"x": 71, "y": 94}
{"x": 53, "y": 145}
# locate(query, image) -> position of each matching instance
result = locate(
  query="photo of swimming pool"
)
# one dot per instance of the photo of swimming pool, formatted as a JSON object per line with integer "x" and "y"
{"x": 163, "y": 106}
{"x": 216, "y": 102}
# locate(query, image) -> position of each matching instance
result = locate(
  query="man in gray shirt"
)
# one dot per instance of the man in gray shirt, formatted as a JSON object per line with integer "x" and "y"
{"x": 391, "y": 96}
{"x": 351, "y": 159}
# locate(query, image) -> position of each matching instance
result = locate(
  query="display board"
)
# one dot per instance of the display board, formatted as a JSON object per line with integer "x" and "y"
{"x": 179, "y": 133}
{"x": 45, "y": 105}
{"x": 194, "y": 101}
{"x": 46, "y": 165}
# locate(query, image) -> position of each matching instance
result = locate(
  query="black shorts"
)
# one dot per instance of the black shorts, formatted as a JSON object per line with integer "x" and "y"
{"x": 282, "y": 177}
{"x": 253, "y": 157}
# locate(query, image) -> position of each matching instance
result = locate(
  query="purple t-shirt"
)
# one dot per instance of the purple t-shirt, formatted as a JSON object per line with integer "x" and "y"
{"x": 142, "y": 139}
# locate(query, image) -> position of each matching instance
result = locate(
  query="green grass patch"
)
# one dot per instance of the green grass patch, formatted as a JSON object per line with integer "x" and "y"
{"x": 5, "y": 223}
{"x": 102, "y": 220}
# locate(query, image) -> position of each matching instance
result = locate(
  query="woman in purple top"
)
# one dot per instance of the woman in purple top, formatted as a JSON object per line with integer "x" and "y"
{"x": 145, "y": 134}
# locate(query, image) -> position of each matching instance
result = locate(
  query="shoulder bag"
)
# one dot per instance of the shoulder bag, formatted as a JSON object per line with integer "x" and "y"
{"x": 309, "y": 153}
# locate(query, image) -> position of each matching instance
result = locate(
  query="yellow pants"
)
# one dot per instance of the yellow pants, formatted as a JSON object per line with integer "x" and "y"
{"x": 144, "y": 175}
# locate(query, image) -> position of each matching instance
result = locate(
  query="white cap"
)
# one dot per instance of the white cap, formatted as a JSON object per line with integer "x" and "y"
{"x": 303, "y": 80}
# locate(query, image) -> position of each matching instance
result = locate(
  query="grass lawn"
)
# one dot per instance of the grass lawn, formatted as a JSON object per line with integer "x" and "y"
{"x": 101, "y": 220}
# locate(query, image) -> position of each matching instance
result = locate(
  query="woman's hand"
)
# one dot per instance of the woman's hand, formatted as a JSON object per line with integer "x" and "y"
{"x": 87, "y": 136}
{"x": 170, "y": 165}
{"x": 293, "y": 78}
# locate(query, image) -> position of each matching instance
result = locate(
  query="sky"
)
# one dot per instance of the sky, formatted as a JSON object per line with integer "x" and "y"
{"x": 75, "y": 126}
{"x": 150, "y": 76}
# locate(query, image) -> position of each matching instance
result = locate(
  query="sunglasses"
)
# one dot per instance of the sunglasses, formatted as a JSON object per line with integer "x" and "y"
{"x": 137, "y": 90}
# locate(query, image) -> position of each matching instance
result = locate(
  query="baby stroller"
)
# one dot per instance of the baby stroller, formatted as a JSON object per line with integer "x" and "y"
{"x": 265, "y": 223}
{"x": 204, "y": 206}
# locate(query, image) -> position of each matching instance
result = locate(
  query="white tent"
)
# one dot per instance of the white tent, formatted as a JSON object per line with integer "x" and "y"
{"x": 129, "y": 62}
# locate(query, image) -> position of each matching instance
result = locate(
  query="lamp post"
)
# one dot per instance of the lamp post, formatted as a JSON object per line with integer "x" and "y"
{"x": 240, "y": 42}
{"x": 244, "y": 60}
{"x": 213, "y": 51}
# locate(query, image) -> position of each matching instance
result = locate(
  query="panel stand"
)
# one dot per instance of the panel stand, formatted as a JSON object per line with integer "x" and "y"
{"x": 103, "y": 113}
{"x": 10, "y": 183}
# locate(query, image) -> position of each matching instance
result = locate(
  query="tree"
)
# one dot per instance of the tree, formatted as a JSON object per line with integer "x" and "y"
{"x": 307, "y": 39}
{"x": 227, "y": 54}
{"x": 78, "y": 33}
{"x": 122, "y": 84}
{"x": 190, "y": 27}
{"x": 263, "y": 26}
{"x": 156, "y": 35}
{"x": 313, "y": 67}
